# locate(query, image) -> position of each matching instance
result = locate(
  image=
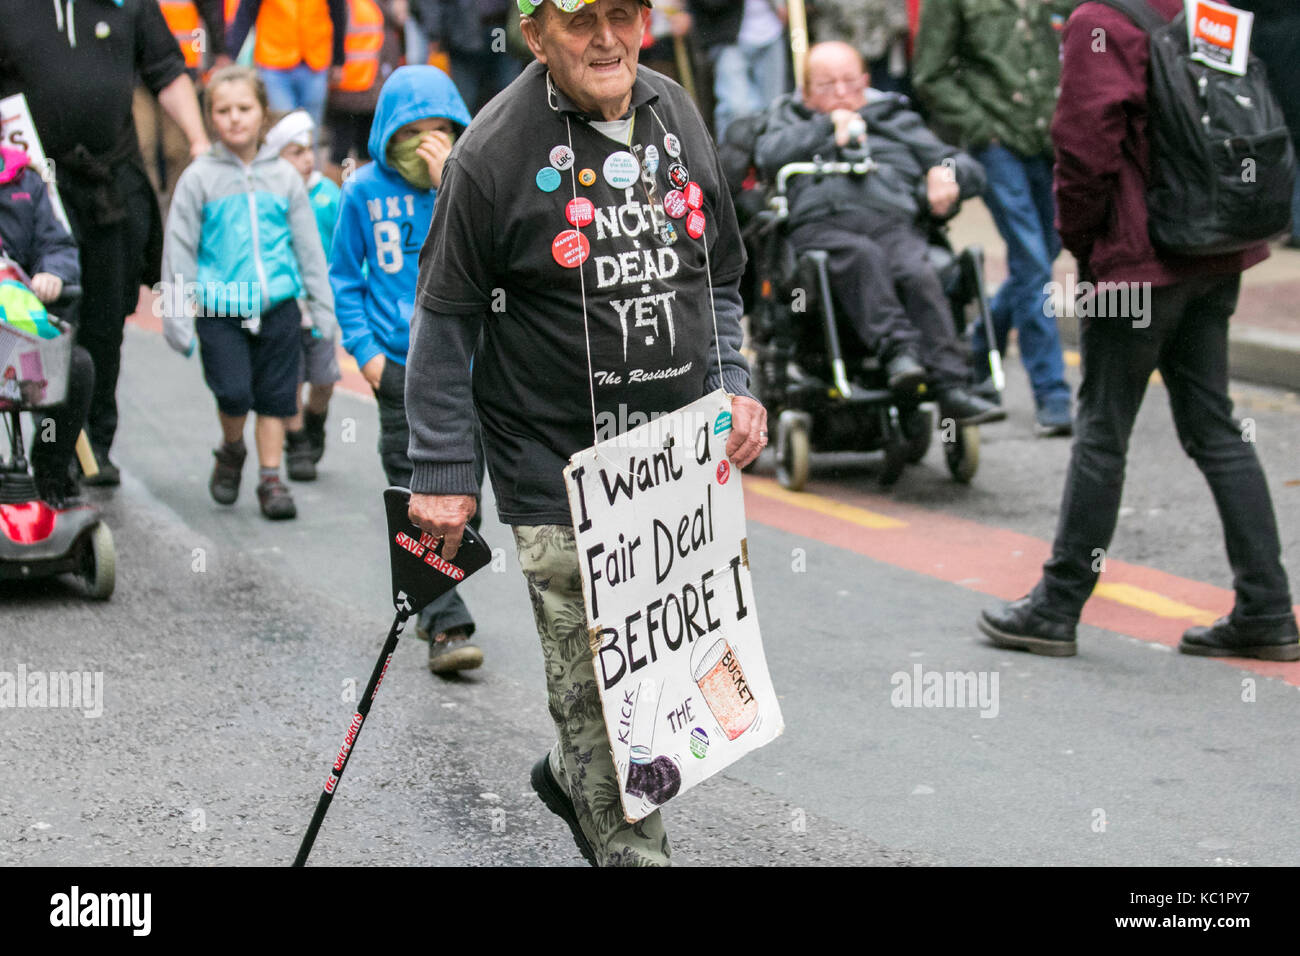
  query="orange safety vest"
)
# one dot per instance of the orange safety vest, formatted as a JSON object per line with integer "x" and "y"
{"x": 183, "y": 20}
{"x": 362, "y": 44}
{"x": 290, "y": 32}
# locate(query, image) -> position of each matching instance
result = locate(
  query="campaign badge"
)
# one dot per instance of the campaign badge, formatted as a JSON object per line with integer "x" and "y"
{"x": 548, "y": 179}
{"x": 561, "y": 157}
{"x": 672, "y": 145}
{"x": 667, "y": 233}
{"x": 678, "y": 176}
{"x": 621, "y": 169}
{"x": 694, "y": 195}
{"x": 580, "y": 211}
{"x": 695, "y": 224}
{"x": 587, "y": 177}
{"x": 651, "y": 162}
{"x": 675, "y": 204}
{"x": 570, "y": 249}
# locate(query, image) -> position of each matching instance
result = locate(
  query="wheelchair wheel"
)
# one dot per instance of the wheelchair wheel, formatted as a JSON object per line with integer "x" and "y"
{"x": 963, "y": 454}
{"x": 793, "y": 457}
{"x": 99, "y": 562}
{"x": 896, "y": 459}
{"x": 918, "y": 427}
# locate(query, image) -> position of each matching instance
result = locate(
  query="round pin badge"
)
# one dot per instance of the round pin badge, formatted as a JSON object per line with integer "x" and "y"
{"x": 621, "y": 169}
{"x": 694, "y": 195}
{"x": 672, "y": 145}
{"x": 675, "y": 204}
{"x": 667, "y": 233}
{"x": 678, "y": 176}
{"x": 561, "y": 157}
{"x": 548, "y": 179}
{"x": 570, "y": 249}
{"x": 695, "y": 224}
{"x": 651, "y": 162}
{"x": 580, "y": 212}
{"x": 587, "y": 177}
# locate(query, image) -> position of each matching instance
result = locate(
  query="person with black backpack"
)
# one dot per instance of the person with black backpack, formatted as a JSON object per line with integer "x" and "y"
{"x": 1134, "y": 111}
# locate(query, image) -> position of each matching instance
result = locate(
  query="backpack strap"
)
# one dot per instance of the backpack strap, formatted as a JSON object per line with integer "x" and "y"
{"x": 1139, "y": 11}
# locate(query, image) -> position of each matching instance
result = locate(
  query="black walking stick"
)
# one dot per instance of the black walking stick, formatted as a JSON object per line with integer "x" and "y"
{"x": 420, "y": 574}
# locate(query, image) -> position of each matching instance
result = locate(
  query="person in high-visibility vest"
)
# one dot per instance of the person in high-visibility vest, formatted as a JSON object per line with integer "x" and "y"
{"x": 298, "y": 49}
{"x": 373, "y": 49}
{"x": 199, "y": 27}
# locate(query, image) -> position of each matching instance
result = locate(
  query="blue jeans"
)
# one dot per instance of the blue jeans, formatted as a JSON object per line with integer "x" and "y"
{"x": 745, "y": 80}
{"x": 299, "y": 87}
{"x": 1019, "y": 195}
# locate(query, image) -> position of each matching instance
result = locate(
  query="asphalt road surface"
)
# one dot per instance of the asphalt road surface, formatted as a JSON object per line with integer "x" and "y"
{"x": 233, "y": 650}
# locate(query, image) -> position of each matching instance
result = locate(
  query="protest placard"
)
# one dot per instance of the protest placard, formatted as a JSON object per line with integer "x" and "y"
{"x": 1219, "y": 35}
{"x": 17, "y": 131}
{"x": 660, "y": 522}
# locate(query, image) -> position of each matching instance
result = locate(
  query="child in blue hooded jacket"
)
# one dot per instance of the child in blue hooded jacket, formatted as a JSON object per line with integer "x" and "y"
{"x": 384, "y": 215}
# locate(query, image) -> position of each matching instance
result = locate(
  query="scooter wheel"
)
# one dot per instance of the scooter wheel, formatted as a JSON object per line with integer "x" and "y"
{"x": 963, "y": 454}
{"x": 99, "y": 563}
{"x": 794, "y": 457}
{"x": 918, "y": 427}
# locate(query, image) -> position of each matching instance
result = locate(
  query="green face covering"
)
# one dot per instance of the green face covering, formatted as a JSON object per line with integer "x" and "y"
{"x": 409, "y": 164}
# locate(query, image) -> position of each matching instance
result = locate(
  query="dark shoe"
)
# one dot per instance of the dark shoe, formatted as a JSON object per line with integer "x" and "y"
{"x": 109, "y": 476}
{"x": 1267, "y": 641}
{"x": 558, "y": 802}
{"x": 226, "y": 473}
{"x": 314, "y": 426}
{"x": 905, "y": 373}
{"x": 1018, "y": 624}
{"x": 1054, "y": 418}
{"x": 298, "y": 460}
{"x": 452, "y": 651}
{"x": 987, "y": 390}
{"x": 274, "y": 498}
{"x": 967, "y": 409}
{"x": 60, "y": 492}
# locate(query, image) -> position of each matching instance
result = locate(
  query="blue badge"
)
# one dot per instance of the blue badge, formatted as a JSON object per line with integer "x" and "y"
{"x": 548, "y": 179}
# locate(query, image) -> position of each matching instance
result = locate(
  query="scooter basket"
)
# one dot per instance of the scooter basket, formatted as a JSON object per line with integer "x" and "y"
{"x": 33, "y": 370}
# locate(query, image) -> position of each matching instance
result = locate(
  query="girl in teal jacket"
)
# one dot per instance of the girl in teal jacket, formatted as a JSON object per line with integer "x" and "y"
{"x": 241, "y": 247}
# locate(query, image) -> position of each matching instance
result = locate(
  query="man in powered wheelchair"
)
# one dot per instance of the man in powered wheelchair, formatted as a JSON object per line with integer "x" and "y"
{"x": 858, "y": 190}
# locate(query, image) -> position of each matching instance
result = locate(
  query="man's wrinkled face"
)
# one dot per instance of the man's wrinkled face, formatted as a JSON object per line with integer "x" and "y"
{"x": 836, "y": 81}
{"x": 591, "y": 53}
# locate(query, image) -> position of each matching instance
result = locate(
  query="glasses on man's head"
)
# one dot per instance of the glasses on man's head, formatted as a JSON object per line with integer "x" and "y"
{"x": 849, "y": 83}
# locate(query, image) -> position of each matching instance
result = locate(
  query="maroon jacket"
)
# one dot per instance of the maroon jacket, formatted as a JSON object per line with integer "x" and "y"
{"x": 1102, "y": 154}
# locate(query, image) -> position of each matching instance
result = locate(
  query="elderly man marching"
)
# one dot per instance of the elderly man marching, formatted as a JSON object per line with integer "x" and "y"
{"x": 584, "y": 230}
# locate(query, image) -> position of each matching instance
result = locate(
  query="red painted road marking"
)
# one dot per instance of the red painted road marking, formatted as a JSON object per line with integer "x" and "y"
{"x": 989, "y": 560}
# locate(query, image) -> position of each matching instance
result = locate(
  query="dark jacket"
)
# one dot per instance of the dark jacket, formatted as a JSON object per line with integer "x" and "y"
{"x": 1276, "y": 41}
{"x": 30, "y": 234}
{"x": 988, "y": 69}
{"x": 717, "y": 22}
{"x": 459, "y": 24}
{"x": 904, "y": 149}
{"x": 1103, "y": 155}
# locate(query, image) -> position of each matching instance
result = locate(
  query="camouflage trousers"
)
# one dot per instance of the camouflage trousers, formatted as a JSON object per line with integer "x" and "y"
{"x": 581, "y": 760}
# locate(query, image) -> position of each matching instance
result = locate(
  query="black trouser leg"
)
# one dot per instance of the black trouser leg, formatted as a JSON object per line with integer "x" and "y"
{"x": 1195, "y": 370}
{"x": 55, "y": 443}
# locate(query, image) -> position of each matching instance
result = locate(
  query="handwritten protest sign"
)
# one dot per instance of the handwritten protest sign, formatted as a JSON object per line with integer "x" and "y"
{"x": 1219, "y": 35}
{"x": 17, "y": 131}
{"x": 660, "y": 523}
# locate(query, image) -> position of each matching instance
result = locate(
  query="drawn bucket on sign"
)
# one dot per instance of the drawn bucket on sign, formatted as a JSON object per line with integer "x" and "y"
{"x": 721, "y": 680}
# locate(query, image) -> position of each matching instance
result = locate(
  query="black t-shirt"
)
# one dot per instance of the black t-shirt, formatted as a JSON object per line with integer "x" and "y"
{"x": 79, "y": 75}
{"x": 499, "y": 232}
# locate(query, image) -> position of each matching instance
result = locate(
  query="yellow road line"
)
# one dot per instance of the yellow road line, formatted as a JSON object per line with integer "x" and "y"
{"x": 1154, "y": 603}
{"x": 811, "y": 502}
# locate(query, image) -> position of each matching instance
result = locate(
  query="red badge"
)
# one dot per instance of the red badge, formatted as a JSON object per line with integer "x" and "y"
{"x": 570, "y": 249}
{"x": 675, "y": 204}
{"x": 580, "y": 212}
{"x": 724, "y": 472}
{"x": 695, "y": 224}
{"x": 694, "y": 195}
